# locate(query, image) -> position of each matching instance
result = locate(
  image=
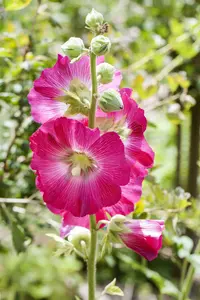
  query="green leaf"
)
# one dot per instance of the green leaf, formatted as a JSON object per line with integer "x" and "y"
{"x": 65, "y": 250}
{"x": 66, "y": 247}
{"x": 176, "y": 27}
{"x": 169, "y": 289}
{"x": 112, "y": 289}
{"x": 165, "y": 286}
{"x": 56, "y": 238}
{"x": 5, "y": 52}
{"x": 15, "y": 4}
{"x": 18, "y": 237}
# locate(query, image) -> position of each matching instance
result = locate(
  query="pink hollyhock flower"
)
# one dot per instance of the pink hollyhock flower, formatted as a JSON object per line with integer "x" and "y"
{"x": 77, "y": 169}
{"x": 48, "y": 96}
{"x": 144, "y": 237}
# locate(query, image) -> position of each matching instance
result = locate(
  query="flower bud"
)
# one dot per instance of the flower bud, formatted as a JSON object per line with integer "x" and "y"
{"x": 94, "y": 19}
{"x": 100, "y": 45}
{"x": 174, "y": 113}
{"x": 110, "y": 101}
{"x": 73, "y": 47}
{"x": 105, "y": 71}
{"x": 77, "y": 236}
{"x": 187, "y": 101}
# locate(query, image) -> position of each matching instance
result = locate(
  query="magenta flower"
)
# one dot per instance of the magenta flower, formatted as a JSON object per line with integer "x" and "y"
{"x": 145, "y": 237}
{"x": 77, "y": 169}
{"x": 48, "y": 96}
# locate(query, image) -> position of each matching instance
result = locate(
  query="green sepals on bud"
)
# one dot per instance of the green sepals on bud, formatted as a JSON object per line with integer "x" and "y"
{"x": 100, "y": 45}
{"x": 117, "y": 223}
{"x": 110, "y": 101}
{"x": 94, "y": 20}
{"x": 73, "y": 48}
{"x": 105, "y": 73}
{"x": 117, "y": 226}
{"x": 80, "y": 238}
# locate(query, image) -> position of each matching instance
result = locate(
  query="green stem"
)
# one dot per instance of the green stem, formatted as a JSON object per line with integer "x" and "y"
{"x": 94, "y": 90}
{"x": 183, "y": 272}
{"x": 93, "y": 242}
{"x": 160, "y": 297}
{"x": 92, "y": 259}
{"x": 187, "y": 285}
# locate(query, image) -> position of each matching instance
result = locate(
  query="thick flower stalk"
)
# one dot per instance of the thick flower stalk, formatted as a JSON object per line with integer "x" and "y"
{"x": 90, "y": 155}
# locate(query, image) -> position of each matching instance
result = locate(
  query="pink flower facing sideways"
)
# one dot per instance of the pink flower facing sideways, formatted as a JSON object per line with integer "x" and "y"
{"x": 144, "y": 237}
{"x": 78, "y": 170}
{"x": 64, "y": 81}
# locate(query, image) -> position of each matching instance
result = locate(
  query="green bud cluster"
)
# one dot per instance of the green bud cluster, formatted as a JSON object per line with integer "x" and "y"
{"x": 110, "y": 100}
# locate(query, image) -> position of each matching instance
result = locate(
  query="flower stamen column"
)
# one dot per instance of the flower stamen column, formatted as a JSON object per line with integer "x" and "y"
{"x": 93, "y": 243}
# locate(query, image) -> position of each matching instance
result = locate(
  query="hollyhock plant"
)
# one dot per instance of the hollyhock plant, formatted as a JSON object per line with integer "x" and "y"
{"x": 64, "y": 84}
{"x": 90, "y": 155}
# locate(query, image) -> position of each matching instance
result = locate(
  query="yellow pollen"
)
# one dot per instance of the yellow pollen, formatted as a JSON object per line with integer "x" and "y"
{"x": 80, "y": 162}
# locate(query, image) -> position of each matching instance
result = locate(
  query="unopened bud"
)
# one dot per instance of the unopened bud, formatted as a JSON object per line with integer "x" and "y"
{"x": 78, "y": 235}
{"x": 73, "y": 48}
{"x": 110, "y": 101}
{"x": 174, "y": 108}
{"x": 100, "y": 45}
{"x": 105, "y": 71}
{"x": 187, "y": 101}
{"x": 174, "y": 113}
{"x": 94, "y": 19}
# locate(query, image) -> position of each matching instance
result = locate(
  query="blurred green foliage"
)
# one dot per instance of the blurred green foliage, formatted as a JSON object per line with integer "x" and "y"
{"x": 156, "y": 44}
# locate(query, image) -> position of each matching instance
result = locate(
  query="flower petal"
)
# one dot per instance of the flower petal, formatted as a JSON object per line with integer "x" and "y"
{"x": 108, "y": 150}
{"x": 145, "y": 237}
{"x": 44, "y": 108}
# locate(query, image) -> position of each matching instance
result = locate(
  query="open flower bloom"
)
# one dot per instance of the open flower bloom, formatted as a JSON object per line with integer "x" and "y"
{"x": 77, "y": 169}
{"x": 62, "y": 85}
{"x": 144, "y": 237}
